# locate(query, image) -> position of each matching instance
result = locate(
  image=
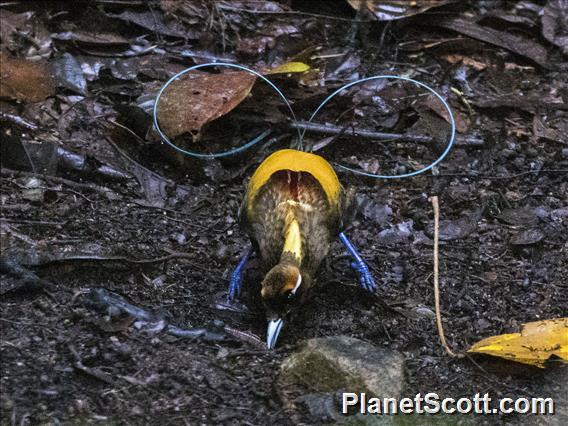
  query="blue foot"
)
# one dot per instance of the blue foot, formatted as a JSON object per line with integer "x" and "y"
{"x": 236, "y": 280}
{"x": 366, "y": 279}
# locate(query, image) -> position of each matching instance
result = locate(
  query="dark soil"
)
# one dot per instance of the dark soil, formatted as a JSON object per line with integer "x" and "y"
{"x": 63, "y": 362}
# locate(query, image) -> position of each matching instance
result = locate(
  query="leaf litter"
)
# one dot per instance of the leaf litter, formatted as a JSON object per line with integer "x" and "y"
{"x": 503, "y": 200}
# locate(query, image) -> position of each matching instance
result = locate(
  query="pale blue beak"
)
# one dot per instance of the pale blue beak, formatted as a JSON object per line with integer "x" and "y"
{"x": 274, "y": 327}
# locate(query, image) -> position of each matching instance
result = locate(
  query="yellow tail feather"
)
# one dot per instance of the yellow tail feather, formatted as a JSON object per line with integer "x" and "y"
{"x": 292, "y": 236}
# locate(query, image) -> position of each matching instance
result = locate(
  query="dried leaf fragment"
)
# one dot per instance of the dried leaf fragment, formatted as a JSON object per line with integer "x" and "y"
{"x": 188, "y": 104}
{"x": 555, "y": 23}
{"x": 453, "y": 58}
{"x": 519, "y": 45}
{"x": 25, "y": 80}
{"x": 92, "y": 38}
{"x": 527, "y": 237}
{"x": 395, "y": 9}
{"x": 536, "y": 342}
{"x": 156, "y": 23}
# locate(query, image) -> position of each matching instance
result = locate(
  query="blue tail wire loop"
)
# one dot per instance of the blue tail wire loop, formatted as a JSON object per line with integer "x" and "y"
{"x": 301, "y": 133}
{"x": 366, "y": 280}
{"x": 395, "y": 77}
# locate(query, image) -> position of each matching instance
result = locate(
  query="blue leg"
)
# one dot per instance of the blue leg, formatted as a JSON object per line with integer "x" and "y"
{"x": 366, "y": 279}
{"x": 237, "y": 278}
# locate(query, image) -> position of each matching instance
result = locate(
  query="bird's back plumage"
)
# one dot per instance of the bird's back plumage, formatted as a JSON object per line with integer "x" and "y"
{"x": 293, "y": 209}
{"x": 293, "y": 186}
{"x": 292, "y": 196}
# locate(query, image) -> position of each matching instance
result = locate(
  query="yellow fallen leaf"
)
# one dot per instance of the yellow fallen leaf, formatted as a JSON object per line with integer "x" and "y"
{"x": 536, "y": 342}
{"x": 289, "y": 67}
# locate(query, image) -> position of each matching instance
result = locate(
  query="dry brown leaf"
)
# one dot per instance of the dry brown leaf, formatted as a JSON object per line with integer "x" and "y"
{"x": 10, "y": 24}
{"x": 92, "y": 38}
{"x": 536, "y": 342}
{"x": 555, "y": 23}
{"x": 480, "y": 66}
{"x": 436, "y": 106}
{"x": 455, "y": 58}
{"x": 188, "y": 104}
{"x": 25, "y": 80}
{"x": 517, "y": 44}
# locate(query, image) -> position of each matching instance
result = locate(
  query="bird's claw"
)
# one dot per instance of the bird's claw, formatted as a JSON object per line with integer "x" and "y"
{"x": 366, "y": 279}
{"x": 235, "y": 283}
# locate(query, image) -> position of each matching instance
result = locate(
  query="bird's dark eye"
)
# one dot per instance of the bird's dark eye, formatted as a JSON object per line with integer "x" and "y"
{"x": 289, "y": 294}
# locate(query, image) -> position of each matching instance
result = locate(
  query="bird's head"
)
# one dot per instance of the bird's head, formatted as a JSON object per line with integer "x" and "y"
{"x": 281, "y": 292}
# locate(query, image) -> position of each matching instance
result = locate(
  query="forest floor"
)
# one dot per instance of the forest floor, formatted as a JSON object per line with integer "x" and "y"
{"x": 504, "y": 205}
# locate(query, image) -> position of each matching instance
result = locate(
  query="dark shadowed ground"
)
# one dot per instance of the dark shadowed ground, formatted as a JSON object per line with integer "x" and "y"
{"x": 80, "y": 202}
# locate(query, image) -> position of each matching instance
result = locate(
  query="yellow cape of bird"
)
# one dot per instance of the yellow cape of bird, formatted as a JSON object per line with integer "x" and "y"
{"x": 296, "y": 161}
{"x": 292, "y": 211}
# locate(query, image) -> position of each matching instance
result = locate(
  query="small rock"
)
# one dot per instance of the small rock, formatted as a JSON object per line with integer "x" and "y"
{"x": 179, "y": 238}
{"x": 483, "y": 324}
{"x": 34, "y": 195}
{"x": 320, "y": 406}
{"x": 424, "y": 312}
{"x": 325, "y": 366}
{"x": 81, "y": 405}
{"x": 137, "y": 411}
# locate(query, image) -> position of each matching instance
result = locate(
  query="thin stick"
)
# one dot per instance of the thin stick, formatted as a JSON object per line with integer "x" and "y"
{"x": 90, "y": 186}
{"x": 371, "y": 134}
{"x": 353, "y": 131}
{"x": 439, "y": 325}
{"x": 330, "y": 129}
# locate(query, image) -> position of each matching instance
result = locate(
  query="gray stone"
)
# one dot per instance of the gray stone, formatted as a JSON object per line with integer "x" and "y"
{"x": 320, "y": 406}
{"x": 327, "y": 366}
{"x": 331, "y": 364}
